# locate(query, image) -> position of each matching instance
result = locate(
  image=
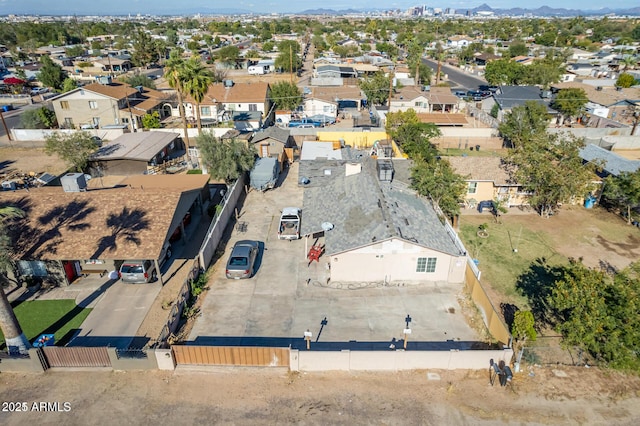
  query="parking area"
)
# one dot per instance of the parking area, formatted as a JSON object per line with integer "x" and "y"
{"x": 288, "y": 296}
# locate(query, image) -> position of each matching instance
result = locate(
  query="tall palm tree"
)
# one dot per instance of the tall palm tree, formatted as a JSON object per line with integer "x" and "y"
{"x": 175, "y": 73}
{"x": 197, "y": 84}
{"x": 13, "y": 335}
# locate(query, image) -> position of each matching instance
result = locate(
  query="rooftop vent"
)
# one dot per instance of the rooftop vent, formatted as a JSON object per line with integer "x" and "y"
{"x": 228, "y": 83}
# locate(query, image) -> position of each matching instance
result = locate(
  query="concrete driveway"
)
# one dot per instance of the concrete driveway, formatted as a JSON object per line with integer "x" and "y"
{"x": 287, "y": 296}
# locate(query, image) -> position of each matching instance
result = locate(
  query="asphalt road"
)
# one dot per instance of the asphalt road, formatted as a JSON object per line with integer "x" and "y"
{"x": 458, "y": 78}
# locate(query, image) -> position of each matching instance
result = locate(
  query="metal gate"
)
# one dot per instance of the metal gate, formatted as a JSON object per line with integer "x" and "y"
{"x": 76, "y": 356}
{"x": 231, "y": 356}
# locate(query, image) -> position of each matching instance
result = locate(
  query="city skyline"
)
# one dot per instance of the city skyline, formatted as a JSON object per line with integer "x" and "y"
{"x": 159, "y": 7}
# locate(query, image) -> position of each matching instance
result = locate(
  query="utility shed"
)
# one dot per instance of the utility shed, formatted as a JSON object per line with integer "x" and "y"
{"x": 265, "y": 173}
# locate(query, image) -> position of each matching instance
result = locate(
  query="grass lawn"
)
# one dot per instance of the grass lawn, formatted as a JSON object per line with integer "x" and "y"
{"x": 57, "y": 317}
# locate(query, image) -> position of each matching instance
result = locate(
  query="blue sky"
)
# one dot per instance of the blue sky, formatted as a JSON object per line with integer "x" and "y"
{"x": 163, "y": 6}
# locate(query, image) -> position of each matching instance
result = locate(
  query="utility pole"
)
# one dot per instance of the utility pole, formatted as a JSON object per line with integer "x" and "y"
{"x": 290, "y": 64}
{"x": 6, "y": 129}
{"x": 133, "y": 128}
{"x": 391, "y": 74}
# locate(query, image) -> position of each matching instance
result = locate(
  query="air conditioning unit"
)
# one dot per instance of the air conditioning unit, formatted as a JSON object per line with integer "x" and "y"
{"x": 73, "y": 182}
{"x": 9, "y": 185}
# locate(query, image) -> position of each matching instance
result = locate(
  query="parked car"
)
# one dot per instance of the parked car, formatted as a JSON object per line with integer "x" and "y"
{"x": 137, "y": 271}
{"x": 242, "y": 260}
{"x": 39, "y": 90}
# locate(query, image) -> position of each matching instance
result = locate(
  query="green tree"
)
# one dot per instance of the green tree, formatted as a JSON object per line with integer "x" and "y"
{"x": 503, "y": 71}
{"x": 436, "y": 179}
{"x": 623, "y": 191}
{"x": 598, "y": 313}
{"x": 143, "y": 49}
{"x": 74, "y": 148}
{"x": 225, "y": 160}
{"x": 139, "y": 80}
{"x": 196, "y": 84}
{"x": 413, "y": 136}
{"x": 542, "y": 73}
{"x": 51, "y": 74}
{"x": 625, "y": 80}
{"x": 518, "y": 49}
{"x": 523, "y": 122}
{"x": 176, "y": 74}
{"x": 38, "y": 118}
{"x": 268, "y": 46}
{"x": 288, "y": 59}
{"x": 14, "y": 338}
{"x": 285, "y": 95}
{"x": 151, "y": 121}
{"x": 74, "y": 51}
{"x": 228, "y": 54}
{"x": 570, "y": 102}
{"x": 68, "y": 85}
{"x": 551, "y": 169}
{"x": 376, "y": 88}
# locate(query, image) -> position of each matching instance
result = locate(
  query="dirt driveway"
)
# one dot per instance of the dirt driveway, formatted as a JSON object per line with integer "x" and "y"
{"x": 257, "y": 396}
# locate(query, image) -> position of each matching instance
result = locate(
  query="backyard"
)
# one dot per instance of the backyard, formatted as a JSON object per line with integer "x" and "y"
{"x": 58, "y": 317}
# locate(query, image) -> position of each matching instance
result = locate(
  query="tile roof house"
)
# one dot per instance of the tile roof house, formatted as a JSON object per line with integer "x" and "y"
{"x": 66, "y": 234}
{"x": 135, "y": 153}
{"x": 108, "y": 103}
{"x": 381, "y": 231}
{"x": 249, "y": 103}
{"x": 487, "y": 179}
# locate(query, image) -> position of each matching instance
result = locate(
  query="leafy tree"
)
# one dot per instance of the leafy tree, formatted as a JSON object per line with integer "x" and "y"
{"x": 139, "y": 80}
{"x": 518, "y": 49}
{"x": 388, "y": 48}
{"x": 495, "y": 109}
{"x": 523, "y": 329}
{"x": 288, "y": 58}
{"x": 176, "y": 75}
{"x": 13, "y": 335}
{"x": 36, "y": 119}
{"x": 285, "y": 95}
{"x": 196, "y": 83}
{"x": 225, "y": 160}
{"x": 268, "y": 46}
{"x": 68, "y": 85}
{"x": 74, "y": 51}
{"x": 598, "y": 313}
{"x": 524, "y": 122}
{"x": 151, "y": 121}
{"x": 503, "y": 71}
{"x": 376, "y": 88}
{"x": 625, "y": 80}
{"x": 436, "y": 179}
{"x": 143, "y": 49}
{"x": 635, "y": 33}
{"x": 542, "y": 73}
{"x": 570, "y": 102}
{"x": 413, "y": 136}
{"x": 51, "y": 74}
{"x": 228, "y": 54}
{"x": 551, "y": 169}
{"x": 74, "y": 148}
{"x": 623, "y": 191}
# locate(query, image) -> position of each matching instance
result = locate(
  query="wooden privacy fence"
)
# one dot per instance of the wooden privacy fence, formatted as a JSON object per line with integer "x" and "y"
{"x": 76, "y": 356}
{"x": 231, "y": 356}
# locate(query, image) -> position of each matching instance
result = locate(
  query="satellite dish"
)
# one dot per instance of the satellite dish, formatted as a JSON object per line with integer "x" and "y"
{"x": 327, "y": 226}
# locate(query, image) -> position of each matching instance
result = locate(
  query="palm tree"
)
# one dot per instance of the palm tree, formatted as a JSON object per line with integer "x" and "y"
{"x": 13, "y": 335}
{"x": 175, "y": 73}
{"x": 197, "y": 84}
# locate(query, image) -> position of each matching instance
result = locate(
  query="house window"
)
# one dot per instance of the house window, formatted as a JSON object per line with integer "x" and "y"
{"x": 64, "y": 104}
{"x": 472, "y": 188}
{"x": 93, "y": 105}
{"x": 34, "y": 268}
{"x": 253, "y": 107}
{"x": 426, "y": 264}
{"x": 68, "y": 123}
{"x": 205, "y": 110}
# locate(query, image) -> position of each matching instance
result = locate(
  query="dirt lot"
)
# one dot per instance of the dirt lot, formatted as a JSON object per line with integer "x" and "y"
{"x": 256, "y": 396}
{"x": 27, "y": 160}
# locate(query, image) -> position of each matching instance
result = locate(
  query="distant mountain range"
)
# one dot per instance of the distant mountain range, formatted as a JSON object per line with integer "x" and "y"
{"x": 59, "y": 9}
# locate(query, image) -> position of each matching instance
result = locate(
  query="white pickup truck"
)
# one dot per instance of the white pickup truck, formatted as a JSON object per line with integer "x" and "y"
{"x": 289, "y": 227}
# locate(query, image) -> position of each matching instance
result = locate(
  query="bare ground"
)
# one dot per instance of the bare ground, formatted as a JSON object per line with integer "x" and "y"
{"x": 258, "y": 396}
{"x": 26, "y": 160}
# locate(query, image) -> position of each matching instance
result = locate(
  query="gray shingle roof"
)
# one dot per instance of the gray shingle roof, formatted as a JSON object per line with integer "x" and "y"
{"x": 273, "y": 132}
{"x": 364, "y": 210}
{"x": 513, "y": 96}
{"x": 613, "y": 163}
